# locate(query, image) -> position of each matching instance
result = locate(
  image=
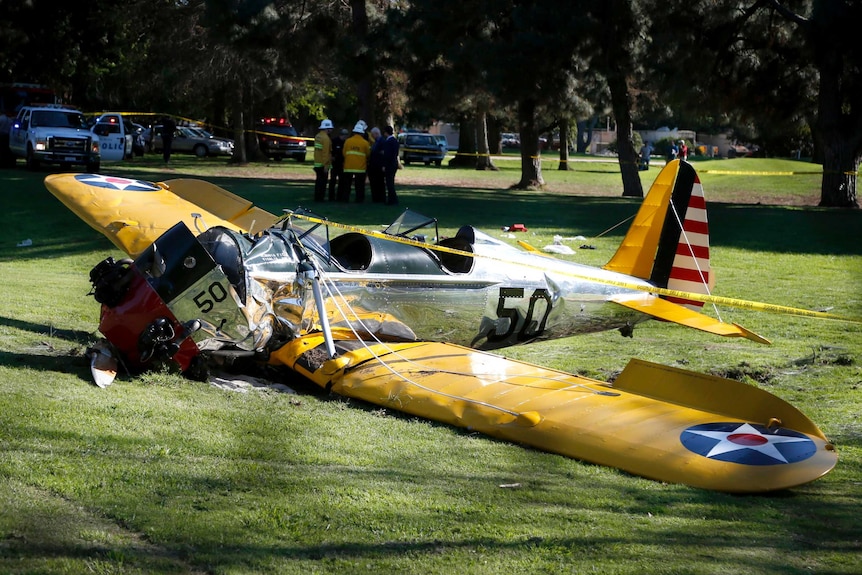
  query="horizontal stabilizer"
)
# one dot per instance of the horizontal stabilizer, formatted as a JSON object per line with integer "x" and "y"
{"x": 669, "y": 311}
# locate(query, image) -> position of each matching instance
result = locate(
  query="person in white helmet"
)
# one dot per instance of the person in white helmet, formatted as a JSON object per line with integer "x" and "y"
{"x": 322, "y": 159}
{"x": 356, "y": 152}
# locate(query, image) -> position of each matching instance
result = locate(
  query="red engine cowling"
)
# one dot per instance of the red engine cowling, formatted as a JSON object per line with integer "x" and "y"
{"x": 144, "y": 330}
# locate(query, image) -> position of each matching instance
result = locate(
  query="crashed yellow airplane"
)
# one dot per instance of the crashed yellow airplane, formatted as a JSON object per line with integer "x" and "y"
{"x": 390, "y": 319}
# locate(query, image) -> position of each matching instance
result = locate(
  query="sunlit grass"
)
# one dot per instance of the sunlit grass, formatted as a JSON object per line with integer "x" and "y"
{"x": 158, "y": 474}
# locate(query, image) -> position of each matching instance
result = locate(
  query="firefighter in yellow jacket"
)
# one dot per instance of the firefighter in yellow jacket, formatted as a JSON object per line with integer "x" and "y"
{"x": 322, "y": 159}
{"x": 356, "y": 152}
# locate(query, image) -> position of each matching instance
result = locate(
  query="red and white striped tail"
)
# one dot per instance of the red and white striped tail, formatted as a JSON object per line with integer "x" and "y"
{"x": 690, "y": 270}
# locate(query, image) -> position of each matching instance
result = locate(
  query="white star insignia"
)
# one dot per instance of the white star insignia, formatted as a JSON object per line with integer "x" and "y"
{"x": 114, "y": 182}
{"x": 747, "y": 437}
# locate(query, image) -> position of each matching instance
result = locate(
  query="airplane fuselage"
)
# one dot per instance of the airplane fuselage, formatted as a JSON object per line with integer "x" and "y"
{"x": 496, "y": 297}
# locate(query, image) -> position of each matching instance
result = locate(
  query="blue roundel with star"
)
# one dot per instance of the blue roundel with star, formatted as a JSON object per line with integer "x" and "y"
{"x": 115, "y": 183}
{"x": 748, "y": 443}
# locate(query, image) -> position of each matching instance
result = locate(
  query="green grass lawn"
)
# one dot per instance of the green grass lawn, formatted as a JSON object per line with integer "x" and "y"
{"x": 158, "y": 474}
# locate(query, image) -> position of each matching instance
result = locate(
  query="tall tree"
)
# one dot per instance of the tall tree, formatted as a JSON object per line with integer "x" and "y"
{"x": 621, "y": 41}
{"x": 362, "y": 61}
{"x": 548, "y": 46}
{"x": 521, "y": 53}
{"x": 87, "y": 53}
{"x": 250, "y": 55}
{"x": 483, "y": 150}
{"x": 829, "y": 33}
{"x": 773, "y": 66}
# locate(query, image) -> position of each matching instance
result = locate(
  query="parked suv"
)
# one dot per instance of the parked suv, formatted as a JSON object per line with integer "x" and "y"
{"x": 54, "y": 134}
{"x": 421, "y": 147}
{"x": 278, "y": 139}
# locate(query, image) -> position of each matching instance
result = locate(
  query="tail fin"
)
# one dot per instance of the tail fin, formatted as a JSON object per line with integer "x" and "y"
{"x": 668, "y": 241}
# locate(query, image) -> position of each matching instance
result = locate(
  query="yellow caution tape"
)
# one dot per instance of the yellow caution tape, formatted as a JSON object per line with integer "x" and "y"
{"x": 275, "y": 135}
{"x": 705, "y": 298}
{"x": 757, "y": 173}
{"x": 774, "y": 173}
{"x": 191, "y": 121}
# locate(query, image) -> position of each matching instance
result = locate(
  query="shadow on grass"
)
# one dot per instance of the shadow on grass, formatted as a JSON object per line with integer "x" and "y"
{"x": 71, "y": 335}
{"x": 279, "y": 529}
{"x": 50, "y": 361}
{"x": 47, "y": 357}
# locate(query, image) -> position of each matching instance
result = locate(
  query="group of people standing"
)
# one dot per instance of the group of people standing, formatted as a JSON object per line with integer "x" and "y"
{"x": 342, "y": 162}
{"x": 678, "y": 151}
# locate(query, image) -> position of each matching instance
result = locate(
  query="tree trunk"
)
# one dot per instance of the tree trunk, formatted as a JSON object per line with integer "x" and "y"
{"x": 585, "y": 135}
{"x": 218, "y": 110}
{"x": 830, "y": 34}
{"x": 531, "y": 160}
{"x": 364, "y": 94}
{"x": 840, "y": 169}
{"x": 838, "y": 123}
{"x": 564, "y": 146}
{"x": 628, "y": 158}
{"x": 238, "y": 119}
{"x": 483, "y": 159}
{"x": 495, "y": 140}
{"x": 465, "y": 157}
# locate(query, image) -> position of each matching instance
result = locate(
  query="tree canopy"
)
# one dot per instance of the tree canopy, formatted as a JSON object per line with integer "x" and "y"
{"x": 784, "y": 74}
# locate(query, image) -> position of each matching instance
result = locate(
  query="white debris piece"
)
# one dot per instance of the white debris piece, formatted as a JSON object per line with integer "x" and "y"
{"x": 558, "y": 248}
{"x": 244, "y": 383}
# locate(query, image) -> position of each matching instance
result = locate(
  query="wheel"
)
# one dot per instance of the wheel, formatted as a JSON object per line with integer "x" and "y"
{"x": 277, "y": 158}
{"x": 201, "y": 151}
{"x": 93, "y": 167}
{"x": 406, "y": 162}
{"x": 438, "y": 163}
{"x": 32, "y": 162}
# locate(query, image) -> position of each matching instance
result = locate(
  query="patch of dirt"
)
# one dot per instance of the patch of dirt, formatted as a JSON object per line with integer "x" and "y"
{"x": 743, "y": 371}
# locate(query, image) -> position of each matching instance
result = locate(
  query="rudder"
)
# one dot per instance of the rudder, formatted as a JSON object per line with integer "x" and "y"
{"x": 669, "y": 247}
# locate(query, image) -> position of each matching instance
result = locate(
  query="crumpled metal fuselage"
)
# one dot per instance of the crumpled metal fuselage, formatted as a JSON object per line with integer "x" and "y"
{"x": 499, "y": 296}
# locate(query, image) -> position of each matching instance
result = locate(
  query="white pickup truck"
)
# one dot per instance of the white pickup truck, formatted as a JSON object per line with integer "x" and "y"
{"x": 54, "y": 135}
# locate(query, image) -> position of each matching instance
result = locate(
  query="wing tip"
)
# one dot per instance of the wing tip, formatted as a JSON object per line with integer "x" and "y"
{"x": 750, "y": 335}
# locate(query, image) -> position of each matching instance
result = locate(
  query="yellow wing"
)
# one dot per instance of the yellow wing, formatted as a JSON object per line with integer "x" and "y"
{"x": 654, "y": 421}
{"x": 134, "y": 213}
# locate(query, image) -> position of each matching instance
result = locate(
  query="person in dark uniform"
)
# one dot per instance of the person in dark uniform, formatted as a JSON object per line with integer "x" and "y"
{"x": 390, "y": 164}
{"x": 375, "y": 168}
{"x": 168, "y": 129}
{"x": 337, "y": 163}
